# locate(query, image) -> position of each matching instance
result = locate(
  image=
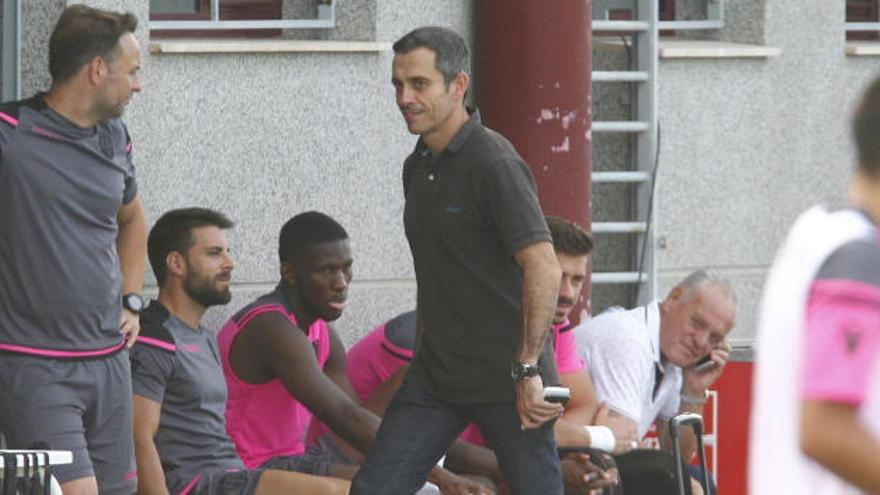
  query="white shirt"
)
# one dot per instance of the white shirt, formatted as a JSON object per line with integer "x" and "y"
{"x": 776, "y": 462}
{"x": 622, "y": 352}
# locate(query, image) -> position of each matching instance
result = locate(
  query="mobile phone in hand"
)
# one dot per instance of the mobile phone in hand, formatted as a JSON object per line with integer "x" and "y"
{"x": 704, "y": 364}
{"x": 559, "y": 395}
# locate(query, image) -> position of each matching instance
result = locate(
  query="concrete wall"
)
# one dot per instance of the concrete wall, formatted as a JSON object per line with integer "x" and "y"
{"x": 746, "y": 144}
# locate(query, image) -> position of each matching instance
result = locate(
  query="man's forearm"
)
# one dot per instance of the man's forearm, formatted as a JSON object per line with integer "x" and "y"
{"x": 131, "y": 246}
{"x": 151, "y": 478}
{"x": 570, "y": 434}
{"x": 541, "y": 275}
{"x": 832, "y": 435}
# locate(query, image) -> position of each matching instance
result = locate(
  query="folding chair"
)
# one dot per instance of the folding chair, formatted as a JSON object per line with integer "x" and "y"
{"x": 25, "y": 472}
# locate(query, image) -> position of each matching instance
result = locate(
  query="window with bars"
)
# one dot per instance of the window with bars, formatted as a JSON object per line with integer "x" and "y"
{"x": 861, "y": 11}
{"x": 234, "y": 18}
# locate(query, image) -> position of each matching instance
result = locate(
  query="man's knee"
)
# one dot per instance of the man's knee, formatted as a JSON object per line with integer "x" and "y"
{"x": 274, "y": 481}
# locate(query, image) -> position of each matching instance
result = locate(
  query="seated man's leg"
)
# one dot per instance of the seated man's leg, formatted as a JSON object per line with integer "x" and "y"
{"x": 273, "y": 482}
{"x": 323, "y": 458}
{"x": 265, "y": 482}
{"x": 528, "y": 459}
{"x": 415, "y": 432}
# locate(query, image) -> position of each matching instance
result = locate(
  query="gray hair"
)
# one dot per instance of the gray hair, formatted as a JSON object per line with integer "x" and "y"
{"x": 701, "y": 279}
{"x": 451, "y": 52}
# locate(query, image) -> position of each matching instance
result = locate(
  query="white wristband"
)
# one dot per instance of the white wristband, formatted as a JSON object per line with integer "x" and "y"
{"x": 601, "y": 437}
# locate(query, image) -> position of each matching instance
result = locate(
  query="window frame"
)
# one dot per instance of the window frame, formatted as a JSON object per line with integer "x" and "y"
{"x": 862, "y": 11}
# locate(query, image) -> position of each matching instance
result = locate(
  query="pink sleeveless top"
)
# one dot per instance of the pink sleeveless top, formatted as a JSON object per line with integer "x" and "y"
{"x": 264, "y": 420}
{"x": 373, "y": 360}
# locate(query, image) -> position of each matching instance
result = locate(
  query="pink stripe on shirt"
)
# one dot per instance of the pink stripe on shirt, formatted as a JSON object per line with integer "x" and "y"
{"x": 9, "y": 118}
{"x": 192, "y": 484}
{"x": 49, "y": 353}
{"x": 156, "y": 343}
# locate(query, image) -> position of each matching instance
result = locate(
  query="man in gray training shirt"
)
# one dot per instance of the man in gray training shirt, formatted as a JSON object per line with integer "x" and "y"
{"x": 72, "y": 237}
{"x": 179, "y": 389}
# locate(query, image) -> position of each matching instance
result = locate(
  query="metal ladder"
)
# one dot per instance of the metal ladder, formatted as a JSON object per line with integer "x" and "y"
{"x": 642, "y": 80}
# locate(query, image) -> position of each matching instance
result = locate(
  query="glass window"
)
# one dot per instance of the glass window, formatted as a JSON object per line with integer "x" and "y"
{"x": 861, "y": 11}
{"x": 200, "y": 10}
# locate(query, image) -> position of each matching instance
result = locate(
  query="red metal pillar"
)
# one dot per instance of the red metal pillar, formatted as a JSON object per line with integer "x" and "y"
{"x": 532, "y": 83}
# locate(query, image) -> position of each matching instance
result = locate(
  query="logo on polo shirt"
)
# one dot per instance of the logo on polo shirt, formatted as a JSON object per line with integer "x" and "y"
{"x": 454, "y": 209}
{"x": 193, "y": 348}
{"x": 852, "y": 340}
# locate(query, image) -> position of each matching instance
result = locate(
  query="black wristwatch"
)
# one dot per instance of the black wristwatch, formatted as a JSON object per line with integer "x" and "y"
{"x": 133, "y": 302}
{"x": 521, "y": 371}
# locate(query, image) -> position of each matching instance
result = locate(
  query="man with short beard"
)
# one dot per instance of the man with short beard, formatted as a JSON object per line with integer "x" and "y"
{"x": 179, "y": 392}
{"x": 72, "y": 237}
{"x": 284, "y": 363}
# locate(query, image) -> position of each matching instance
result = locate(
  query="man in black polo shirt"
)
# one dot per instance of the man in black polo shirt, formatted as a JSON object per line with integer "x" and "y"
{"x": 487, "y": 285}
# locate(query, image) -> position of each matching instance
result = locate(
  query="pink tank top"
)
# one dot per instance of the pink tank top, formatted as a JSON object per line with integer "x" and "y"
{"x": 373, "y": 360}
{"x": 264, "y": 420}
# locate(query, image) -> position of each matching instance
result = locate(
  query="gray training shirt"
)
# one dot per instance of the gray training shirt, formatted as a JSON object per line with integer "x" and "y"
{"x": 179, "y": 367}
{"x": 61, "y": 187}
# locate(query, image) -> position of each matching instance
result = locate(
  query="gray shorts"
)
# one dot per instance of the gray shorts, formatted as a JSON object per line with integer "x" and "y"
{"x": 317, "y": 459}
{"x": 83, "y": 406}
{"x": 228, "y": 483}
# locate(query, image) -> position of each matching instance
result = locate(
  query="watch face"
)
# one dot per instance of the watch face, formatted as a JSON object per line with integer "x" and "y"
{"x": 521, "y": 371}
{"x": 133, "y": 302}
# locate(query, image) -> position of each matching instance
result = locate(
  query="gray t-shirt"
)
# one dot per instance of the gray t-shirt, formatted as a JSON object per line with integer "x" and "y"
{"x": 61, "y": 187}
{"x": 179, "y": 367}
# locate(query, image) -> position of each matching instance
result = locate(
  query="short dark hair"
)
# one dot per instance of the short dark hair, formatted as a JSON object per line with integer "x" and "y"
{"x": 83, "y": 33}
{"x": 866, "y": 130}
{"x": 450, "y": 49}
{"x": 173, "y": 232}
{"x": 304, "y": 230}
{"x": 569, "y": 237}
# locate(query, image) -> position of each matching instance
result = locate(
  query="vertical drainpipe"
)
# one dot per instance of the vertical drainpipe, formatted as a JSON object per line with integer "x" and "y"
{"x": 11, "y": 50}
{"x": 532, "y": 81}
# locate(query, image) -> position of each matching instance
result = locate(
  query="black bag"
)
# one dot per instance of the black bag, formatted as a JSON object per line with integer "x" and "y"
{"x": 658, "y": 472}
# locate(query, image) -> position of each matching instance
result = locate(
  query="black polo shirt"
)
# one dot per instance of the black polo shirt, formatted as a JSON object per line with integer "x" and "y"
{"x": 468, "y": 210}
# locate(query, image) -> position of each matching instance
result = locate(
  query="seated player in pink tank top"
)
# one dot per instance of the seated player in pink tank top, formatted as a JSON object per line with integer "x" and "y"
{"x": 377, "y": 364}
{"x": 283, "y": 363}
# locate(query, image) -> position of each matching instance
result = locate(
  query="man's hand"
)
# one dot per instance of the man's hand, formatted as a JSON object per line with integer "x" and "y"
{"x": 624, "y": 429}
{"x": 695, "y": 383}
{"x": 580, "y": 476}
{"x": 129, "y": 326}
{"x": 453, "y": 484}
{"x": 530, "y": 404}
{"x": 696, "y": 487}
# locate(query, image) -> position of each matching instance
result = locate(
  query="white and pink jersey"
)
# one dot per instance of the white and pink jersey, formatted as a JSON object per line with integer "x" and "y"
{"x": 818, "y": 339}
{"x": 264, "y": 420}
{"x": 377, "y": 356}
